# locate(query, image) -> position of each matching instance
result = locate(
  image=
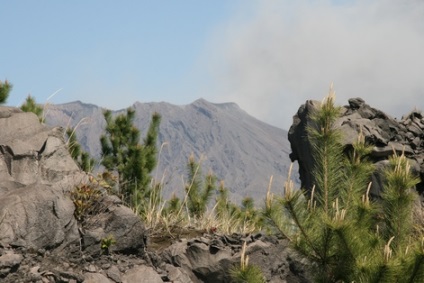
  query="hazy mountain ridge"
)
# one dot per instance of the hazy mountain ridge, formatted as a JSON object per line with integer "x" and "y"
{"x": 238, "y": 148}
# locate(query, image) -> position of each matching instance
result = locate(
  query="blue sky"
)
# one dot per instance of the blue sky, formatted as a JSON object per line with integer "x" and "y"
{"x": 267, "y": 56}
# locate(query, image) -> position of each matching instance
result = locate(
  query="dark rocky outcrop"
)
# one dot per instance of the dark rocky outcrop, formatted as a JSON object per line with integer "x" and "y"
{"x": 383, "y": 132}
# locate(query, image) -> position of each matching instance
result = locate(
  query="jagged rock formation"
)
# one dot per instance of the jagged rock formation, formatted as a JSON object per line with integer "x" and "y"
{"x": 385, "y": 133}
{"x": 239, "y": 149}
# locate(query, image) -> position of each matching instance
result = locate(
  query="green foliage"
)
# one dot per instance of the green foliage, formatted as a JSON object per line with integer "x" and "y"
{"x": 398, "y": 200}
{"x": 249, "y": 274}
{"x": 5, "y": 88}
{"x": 199, "y": 193}
{"x": 248, "y": 211}
{"x": 347, "y": 236}
{"x": 123, "y": 154}
{"x": 328, "y": 153}
{"x": 246, "y": 273}
{"x": 31, "y": 105}
{"x": 173, "y": 206}
{"x": 224, "y": 207}
{"x": 106, "y": 243}
{"x": 83, "y": 159}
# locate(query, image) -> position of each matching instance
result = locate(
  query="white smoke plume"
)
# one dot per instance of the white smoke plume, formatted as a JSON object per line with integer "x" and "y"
{"x": 277, "y": 54}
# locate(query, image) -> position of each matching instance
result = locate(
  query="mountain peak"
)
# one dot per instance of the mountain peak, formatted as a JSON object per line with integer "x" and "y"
{"x": 238, "y": 148}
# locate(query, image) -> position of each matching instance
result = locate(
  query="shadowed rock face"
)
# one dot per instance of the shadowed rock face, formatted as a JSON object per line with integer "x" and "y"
{"x": 385, "y": 133}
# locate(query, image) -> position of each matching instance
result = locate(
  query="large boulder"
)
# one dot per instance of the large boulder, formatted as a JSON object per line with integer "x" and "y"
{"x": 31, "y": 152}
{"x": 384, "y": 133}
{"x": 36, "y": 174}
{"x": 118, "y": 222}
{"x": 37, "y": 216}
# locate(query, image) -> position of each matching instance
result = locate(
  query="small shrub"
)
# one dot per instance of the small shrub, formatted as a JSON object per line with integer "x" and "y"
{"x": 107, "y": 243}
{"x": 5, "y": 88}
{"x": 82, "y": 158}
{"x": 246, "y": 273}
{"x": 198, "y": 192}
{"x": 86, "y": 200}
{"x": 124, "y": 155}
{"x": 31, "y": 105}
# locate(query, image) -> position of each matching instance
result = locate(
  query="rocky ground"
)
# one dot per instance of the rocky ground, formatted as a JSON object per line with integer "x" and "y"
{"x": 206, "y": 258}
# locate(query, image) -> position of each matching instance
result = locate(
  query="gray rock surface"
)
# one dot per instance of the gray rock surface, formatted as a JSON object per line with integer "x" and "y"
{"x": 36, "y": 173}
{"x": 115, "y": 221}
{"x": 37, "y": 216}
{"x": 141, "y": 274}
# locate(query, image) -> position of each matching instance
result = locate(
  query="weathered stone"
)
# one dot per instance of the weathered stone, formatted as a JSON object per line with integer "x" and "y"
{"x": 9, "y": 262}
{"x": 95, "y": 278}
{"x": 141, "y": 274}
{"x": 211, "y": 258}
{"x": 415, "y": 129}
{"x": 66, "y": 276}
{"x": 37, "y": 216}
{"x": 118, "y": 222}
{"x": 356, "y": 103}
{"x": 392, "y": 147}
{"x": 385, "y": 134}
{"x": 114, "y": 274}
{"x": 177, "y": 275}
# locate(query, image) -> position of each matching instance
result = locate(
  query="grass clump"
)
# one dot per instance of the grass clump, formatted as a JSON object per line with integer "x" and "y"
{"x": 205, "y": 206}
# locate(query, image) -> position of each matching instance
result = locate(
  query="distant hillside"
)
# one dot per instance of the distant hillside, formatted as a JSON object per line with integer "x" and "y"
{"x": 239, "y": 149}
